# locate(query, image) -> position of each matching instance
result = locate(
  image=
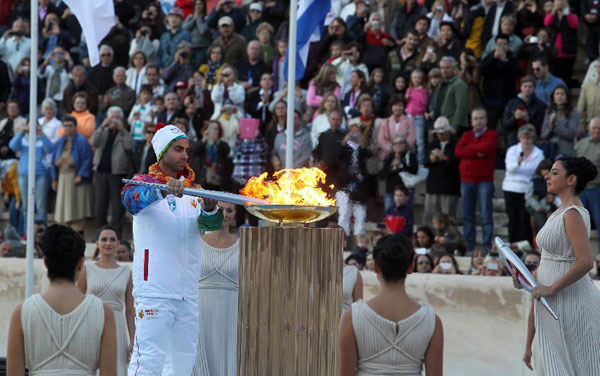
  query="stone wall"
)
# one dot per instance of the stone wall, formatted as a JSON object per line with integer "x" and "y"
{"x": 484, "y": 318}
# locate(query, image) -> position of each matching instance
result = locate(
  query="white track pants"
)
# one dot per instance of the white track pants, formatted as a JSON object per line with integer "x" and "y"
{"x": 166, "y": 330}
{"x": 348, "y": 209}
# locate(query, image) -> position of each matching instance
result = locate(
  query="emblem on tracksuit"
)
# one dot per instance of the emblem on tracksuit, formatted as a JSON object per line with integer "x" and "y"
{"x": 172, "y": 203}
{"x": 141, "y": 314}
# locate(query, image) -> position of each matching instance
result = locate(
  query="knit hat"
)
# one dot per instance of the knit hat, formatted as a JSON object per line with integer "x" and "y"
{"x": 165, "y": 136}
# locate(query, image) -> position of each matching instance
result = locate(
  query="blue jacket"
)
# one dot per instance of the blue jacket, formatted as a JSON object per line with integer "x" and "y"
{"x": 82, "y": 155}
{"x": 43, "y": 147}
{"x": 543, "y": 90}
{"x": 168, "y": 46}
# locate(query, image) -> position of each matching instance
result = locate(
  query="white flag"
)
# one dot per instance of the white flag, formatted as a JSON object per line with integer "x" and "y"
{"x": 96, "y": 18}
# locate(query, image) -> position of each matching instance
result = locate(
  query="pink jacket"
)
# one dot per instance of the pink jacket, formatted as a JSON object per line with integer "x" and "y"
{"x": 387, "y": 132}
{"x": 314, "y": 100}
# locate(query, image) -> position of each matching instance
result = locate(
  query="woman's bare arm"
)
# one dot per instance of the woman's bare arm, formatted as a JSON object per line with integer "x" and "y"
{"x": 15, "y": 356}
{"x": 347, "y": 345}
{"x": 82, "y": 281}
{"x": 434, "y": 356}
{"x": 108, "y": 344}
{"x": 357, "y": 293}
{"x": 130, "y": 313}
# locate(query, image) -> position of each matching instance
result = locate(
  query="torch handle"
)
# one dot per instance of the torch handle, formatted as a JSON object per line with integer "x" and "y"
{"x": 204, "y": 193}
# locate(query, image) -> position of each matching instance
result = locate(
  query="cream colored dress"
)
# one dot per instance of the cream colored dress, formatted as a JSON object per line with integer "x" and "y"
{"x": 62, "y": 345}
{"x": 571, "y": 344}
{"x": 391, "y": 348}
{"x": 110, "y": 285}
{"x": 348, "y": 282}
{"x": 73, "y": 201}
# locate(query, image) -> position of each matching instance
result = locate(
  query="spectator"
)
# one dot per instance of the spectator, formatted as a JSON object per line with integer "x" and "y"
{"x": 538, "y": 202}
{"x": 196, "y": 24}
{"x": 169, "y": 40}
{"x": 400, "y": 160}
{"x": 227, "y": 8}
{"x": 357, "y": 21}
{"x": 469, "y": 72}
{"x": 589, "y": 10}
{"x": 437, "y": 88}
{"x": 119, "y": 95}
{"x": 416, "y": 104}
{"x": 446, "y": 265}
{"x": 543, "y": 47}
{"x": 525, "y": 109}
{"x": 44, "y": 147}
{"x": 588, "y": 103}
{"x": 154, "y": 80}
{"x": 422, "y": 27}
{"x": 86, "y": 122}
{"x": 401, "y": 208}
{"x": 101, "y": 76}
{"x": 249, "y": 158}
{"x": 358, "y": 86}
{"x": 211, "y": 155}
{"x": 53, "y": 36}
{"x": 56, "y": 70}
{"x": 405, "y": 58}
{"x": 71, "y": 170}
{"x": 228, "y": 93}
{"x": 446, "y": 233}
{"x": 21, "y": 85}
{"x": 153, "y": 17}
{"x": 213, "y": 67}
{"x": 563, "y": 25}
{"x": 491, "y": 25}
{"x": 194, "y": 117}
{"x": 325, "y": 82}
{"x": 251, "y": 68}
{"x": 6, "y": 249}
{"x": 346, "y": 64}
{"x": 545, "y": 82}
{"x": 352, "y": 260}
{"x": 140, "y": 114}
{"x": 233, "y": 44}
{"x": 123, "y": 252}
{"x": 476, "y": 150}
{"x": 145, "y": 157}
{"x": 532, "y": 260}
{"x": 522, "y": 160}
{"x": 335, "y": 32}
{"x": 112, "y": 145}
{"x": 405, "y": 18}
{"x": 442, "y": 186}
{"x": 321, "y": 123}
{"x": 80, "y": 84}
{"x": 492, "y": 267}
{"x": 180, "y": 69}
{"x": 256, "y": 18}
{"x": 561, "y": 122}
{"x": 257, "y": 103}
{"x": 591, "y": 75}
{"x": 277, "y": 124}
{"x": 378, "y": 42}
{"x": 264, "y": 34}
{"x": 197, "y": 88}
{"x": 456, "y": 97}
{"x": 507, "y": 27}
{"x": 367, "y": 119}
{"x": 472, "y": 29}
{"x": 529, "y": 18}
{"x": 477, "y": 258}
{"x": 380, "y": 92}
{"x": 14, "y": 44}
{"x": 423, "y": 263}
{"x": 589, "y": 148}
{"x": 136, "y": 73}
{"x": 279, "y": 65}
{"x": 49, "y": 123}
{"x": 9, "y": 126}
{"x": 437, "y": 17}
{"x": 302, "y": 144}
{"x": 145, "y": 42}
{"x": 449, "y": 44}
{"x": 328, "y": 149}
{"x": 172, "y": 109}
{"x": 397, "y": 125}
{"x": 424, "y": 237}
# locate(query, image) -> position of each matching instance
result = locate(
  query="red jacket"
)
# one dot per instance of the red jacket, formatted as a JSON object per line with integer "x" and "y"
{"x": 477, "y": 156}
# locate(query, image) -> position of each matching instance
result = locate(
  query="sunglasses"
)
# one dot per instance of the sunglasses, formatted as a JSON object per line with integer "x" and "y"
{"x": 103, "y": 55}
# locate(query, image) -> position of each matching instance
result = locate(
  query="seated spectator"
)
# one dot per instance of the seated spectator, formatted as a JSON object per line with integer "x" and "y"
{"x": 227, "y": 93}
{"x": 154, "y": 80}
{"x": 446, "y": 232}
{"x": 525, "y": 109}
{"x": 397, "y": 125}
{"x": 492, "y": 267}
{"x": 507, "y": 27}
{"x": 351, "y": 260}
{"x": 402, "y": 209}
{"x": 437, "y": 16}
{"x": 405, "y": 58}
{"x": 277, "y": 124}
{"x": 400, "y": 160}
{"x": 213, "y": 66}
{"x": 123, "y": 252}
{"x": 423, "y": 263}
{"x": 477, "y": 258}
{"x": 545, "y": 82}
{"x": 424, "y": 237}
{"x": 146, "y": 42}
{"x": 521, "y": 162}
{"x": 324, "y": 82}
{"x": 300, "y": 99}
{"x": 87, "y": 324}
{"x": 169, "y": 40}
{"x": 380, "y": 92}
{"x": 532, "y": 260}
{"x": 172, "y": 109}
{"x": 227, "y": 8}
{"x": 561, "y": 122}
{"x": 180, "y": 69}
{"x": 538, "y": 202}
{"x": 429, "y": 56}
{"x": 302, "y": 144}
{"x": 446, "y": 265}
{"x": 358, "y": 86}
{"x": 422, "y": 26}
{"x": 86, "y": 122}
{"x": 119, "y": 95}
{"x": 233, "y": 44}
{"x": 6, "y": 249}
{"x": 255, "y": 17}
{"x": 117, "y": 38}
{"x": 196, "y": 24}
{"x": 321, "y": 123}
{"x": 136, "y": 73}
{"x": 101, "y": 75}
{"x": 210, "y": 159}
{"x": 405, "y": 18}
{"x": 55, "y": 69}
{"x": 79, "y": 84}
{"x": 153, "y": 17}
{"x": 251, "y": 67}
{"x": 49, "y": 123}
{"x": 361, "y": 248}
{"x": 71, "y": 171}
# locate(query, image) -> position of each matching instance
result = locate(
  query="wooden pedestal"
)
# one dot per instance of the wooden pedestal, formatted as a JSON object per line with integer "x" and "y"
{"x": 290, "y": 294}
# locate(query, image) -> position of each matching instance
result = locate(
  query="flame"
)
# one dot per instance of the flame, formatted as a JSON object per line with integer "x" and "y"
{"x": 290, "y": 187}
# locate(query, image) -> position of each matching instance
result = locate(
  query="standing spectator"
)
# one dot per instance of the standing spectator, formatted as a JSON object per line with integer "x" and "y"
{"x": 545, "y": 82}
{"x": 251, "y": 68}
{"x": 346, "y": 64}
{"x": 302, "y": 144}
{"x": 561, "y": 122}
{"x": 233, "y": 44}
{"x": 563, "y": 24}
{"x": 442, "y": 187}
{"x": 325, "y": 82}
{"x": 144, "y": 157}
{"x": 379, "y": 91}
{"x": 53, "y": 36}
{"x": 456, "y": 97}
{"x": 136, "y": 73}
{"x": 589, "y": 148}
{"x": 44, "y": 147}
{"x": 588, "y": 103}
{"x": 277, "y": 124}
{"x": 405, "y": 58}
{"x": 145, "y": 42}
{"x": 469, "y": 72}
{"x": 278, "y": 65}
{"x": 402, "y": 208}
{"x": 400, "y": 160}
{"x": 79, "y": 84}
{"x": 476, "y": 150}
{"x": 264, "y": 34}
{"x": 524, "y": 109}
{"x": 529, "y": 18}
{"x": 378, "y": 42}
{"x": 213, "y": 66}
{"x": 14, "y": 123}
{"x": 196, "y": 24}
{"x": 472, "y": 29}
{"x": 397, "y": 125}
{"x": 328, "y": 149}
{"x": 358, "y": 86}
{"x": 22, "y": 84}
{"x": 416, "y": 104}
{"x": 101, "y": 76}
{"x": 256, "y": 18}
{"x": 507, "y": 27}
{"x": 169, "y": 41}
{"x": 55, "y": 69}
{"x": 521, "y": 161}
{"x": 227, "y": 8}
{"x": 71, "y": 170}
{"x": 49, "y": 123}
{"x": 211, "y": 157}
{"x": 449, "y": 44}
{"x": 227, "y": 93}
{"x": 590, "y": 10}
{"x": 171, "y": 111}
{"x": 437, "y": 16}
{"x": 140, "y": 114}
{"x": 491, "y": 25}
{"x": 321, "y": 123}
{"x": 153, "y": 17}
{"x": 257, "y": 103}
{"x": 180, "y": 69}
{"x": 14, "y": 44}
{"x": 119, "y": 95}
{"x": 113, "y": 146}
{"x": 86, "y": 121}
{"x": 406, "y": 18}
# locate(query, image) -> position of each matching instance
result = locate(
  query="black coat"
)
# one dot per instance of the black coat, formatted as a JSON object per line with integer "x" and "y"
{"x": 488, "y": 24}
{"x": 444, "y": 176}
{"x": 141, "y": 163}
{"x": 101, "y": 77}
{"x": 391, "y": 176}
{"x": 536, "y": 110}
{"x": 251, "y": 107}
{"x": 499, "y": 79}
{"x": 356, "y": 184}
{"x": 329, "y": 150}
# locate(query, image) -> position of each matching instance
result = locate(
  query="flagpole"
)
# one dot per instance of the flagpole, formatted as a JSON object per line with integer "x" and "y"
{"x": 32, "y": 140}
{"x": 291, "y": 84}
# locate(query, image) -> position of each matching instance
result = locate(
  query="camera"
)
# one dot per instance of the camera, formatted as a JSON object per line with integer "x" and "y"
{"x": 533, "y": 40}
{"x": 49, "y": 27}
{"x": 184, "y": 55}
{"x": 144, "y": 33}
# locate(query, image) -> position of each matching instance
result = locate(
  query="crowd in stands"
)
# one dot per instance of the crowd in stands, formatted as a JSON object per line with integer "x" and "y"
{"x": 395, "y": 94}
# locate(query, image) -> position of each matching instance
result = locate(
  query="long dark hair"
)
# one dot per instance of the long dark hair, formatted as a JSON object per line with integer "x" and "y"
{"x": 554, "y": 107}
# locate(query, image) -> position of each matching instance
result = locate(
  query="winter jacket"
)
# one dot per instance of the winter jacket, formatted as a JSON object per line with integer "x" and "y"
{"x": 536, "y": 110}
{"x": 477, "y": 156}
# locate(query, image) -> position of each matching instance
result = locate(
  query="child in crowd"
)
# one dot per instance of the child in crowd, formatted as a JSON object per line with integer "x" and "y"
{"x": 159, "y": 106}
{"x": 335, "y": 51}
{"x": 434, "y": 102}
{"x": 477, "y": 258}
{"x": 492, "y": 267}
{"x": 423, "y": 263}
{"x": 446, "y": 265}
{"x": 399, "y": 87}
{"x": 278, "y": 69}
{"x": 379, "y": 92}
{"x": 424, "y": 237}
{"x": 140, "y": 114}
{"x": 402, "y": 210}
{"x": 362, "y": 248}
{"x": 447, "y": 234}
{"x": 538, "y": 202}
{"x": 417, "y": 96}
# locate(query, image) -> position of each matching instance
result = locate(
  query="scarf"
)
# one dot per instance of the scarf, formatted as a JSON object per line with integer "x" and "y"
{"x": 211, "y": 75}
{"x": 188, "y": 175}
{"x": 54, "y": 87}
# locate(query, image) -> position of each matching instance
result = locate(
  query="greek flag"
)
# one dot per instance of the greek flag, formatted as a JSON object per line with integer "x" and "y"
{"x": 311, "y": 22}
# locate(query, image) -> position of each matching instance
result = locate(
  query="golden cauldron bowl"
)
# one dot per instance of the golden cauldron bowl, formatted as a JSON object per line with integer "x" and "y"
{"x": 291, "y": 214}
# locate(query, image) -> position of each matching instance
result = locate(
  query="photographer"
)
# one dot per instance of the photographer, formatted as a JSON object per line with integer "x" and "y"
{"x": 529, "y": 19}
{"x": 347, "y": 63}
{"x": 228, "y": 91}
{"x": 56, "y": 70}
{"x": 14, "y": 45}
{"x": 53, "y": 36}
{"x": 590, "y": 9}
{"x": 145, "y": 42}
{"x": 181, "y": 68}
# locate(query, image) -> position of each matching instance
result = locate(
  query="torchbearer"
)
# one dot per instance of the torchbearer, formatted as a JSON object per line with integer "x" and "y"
{"x": 166, "y": 265}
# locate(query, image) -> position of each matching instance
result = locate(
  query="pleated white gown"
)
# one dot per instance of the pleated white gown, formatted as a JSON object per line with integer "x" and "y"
{"x": 348, "y": 282}
{"x": 218, "y": 311}
{"x": 571, "y": 344}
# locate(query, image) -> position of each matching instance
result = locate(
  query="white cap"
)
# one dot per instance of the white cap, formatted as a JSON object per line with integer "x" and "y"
{"x": 165, "y": 137}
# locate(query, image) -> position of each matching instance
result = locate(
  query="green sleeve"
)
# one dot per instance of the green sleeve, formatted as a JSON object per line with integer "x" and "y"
{"x": 208, "y": 222}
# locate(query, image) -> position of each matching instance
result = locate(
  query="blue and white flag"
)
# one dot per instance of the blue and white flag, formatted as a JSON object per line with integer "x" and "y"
{"x": 311, "y": 22}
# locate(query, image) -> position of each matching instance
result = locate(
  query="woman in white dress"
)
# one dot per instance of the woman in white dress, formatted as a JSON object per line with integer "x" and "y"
{"x": 62, "y": 331}
{"x": 112, "y": 283}
{"x": 569, "y": 345}
{"x": 218, "y": 300}
{"x": 352, "y": 286}
{"x": 391, "y": 333}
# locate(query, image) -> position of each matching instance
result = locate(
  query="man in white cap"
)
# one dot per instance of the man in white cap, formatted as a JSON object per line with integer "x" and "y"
{"x": 442, "y": 186}
{"x": 167, "y": 260}
{"x": 233, "y": 43}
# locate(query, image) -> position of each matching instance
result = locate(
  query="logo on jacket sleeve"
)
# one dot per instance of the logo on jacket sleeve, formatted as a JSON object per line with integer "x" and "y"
{"x": 172, "y": 202}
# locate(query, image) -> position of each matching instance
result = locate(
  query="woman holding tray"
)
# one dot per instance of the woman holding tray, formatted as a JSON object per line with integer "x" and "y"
{"x": 569, "y": 345}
